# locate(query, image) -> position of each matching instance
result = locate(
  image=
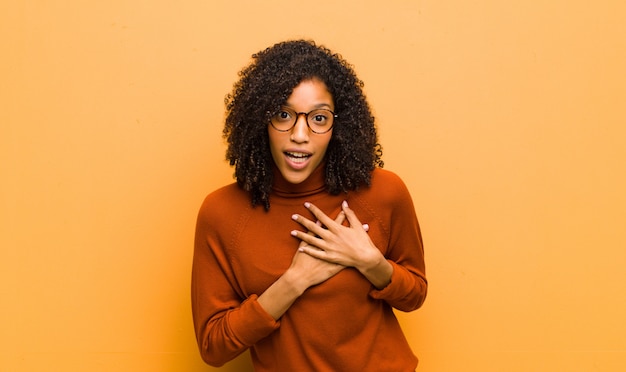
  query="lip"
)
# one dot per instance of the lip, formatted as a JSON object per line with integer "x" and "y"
{"x": 297, "y": 159}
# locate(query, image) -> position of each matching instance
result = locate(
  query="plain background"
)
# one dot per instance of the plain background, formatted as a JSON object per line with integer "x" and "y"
{"x": 506, "y": 119}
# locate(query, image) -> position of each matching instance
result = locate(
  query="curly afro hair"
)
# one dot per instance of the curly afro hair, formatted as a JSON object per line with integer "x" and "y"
{"x": 353, "y": 151}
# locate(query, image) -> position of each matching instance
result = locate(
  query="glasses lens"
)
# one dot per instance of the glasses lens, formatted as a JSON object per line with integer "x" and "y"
{"x": 319, "y": 121}
{"x": 284, "y": 119}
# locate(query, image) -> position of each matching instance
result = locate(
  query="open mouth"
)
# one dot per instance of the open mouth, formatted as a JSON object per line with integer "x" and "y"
{"x": 297, "y": 157}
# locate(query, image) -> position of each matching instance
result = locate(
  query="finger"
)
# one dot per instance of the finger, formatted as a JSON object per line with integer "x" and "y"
{"x": 308, "y": 238}
{"x": 321, "y": 216}
{"x": 353, "y": 220}
{"x": 312, "y": 227}
{"x": 341, "y": 216}
{"x": 302, "y": 242}
{"x": 312, "y": 251}
{"x": 318, "y": 223}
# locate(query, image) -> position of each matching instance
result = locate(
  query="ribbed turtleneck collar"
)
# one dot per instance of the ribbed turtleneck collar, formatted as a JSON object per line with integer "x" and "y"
{"x": 312, "y": 185}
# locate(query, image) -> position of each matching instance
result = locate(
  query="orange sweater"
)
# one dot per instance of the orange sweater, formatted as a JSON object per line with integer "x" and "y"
{"x": 343, "y": 324}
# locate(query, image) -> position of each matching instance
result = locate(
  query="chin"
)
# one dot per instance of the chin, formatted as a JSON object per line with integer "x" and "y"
{"x": 296, "y": 178}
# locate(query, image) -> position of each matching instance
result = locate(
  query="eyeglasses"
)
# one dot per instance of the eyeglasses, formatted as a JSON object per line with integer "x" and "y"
{"x": 319, "y": 121}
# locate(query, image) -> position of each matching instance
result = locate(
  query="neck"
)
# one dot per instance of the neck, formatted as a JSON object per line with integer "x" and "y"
{"x": 313, "y": 184}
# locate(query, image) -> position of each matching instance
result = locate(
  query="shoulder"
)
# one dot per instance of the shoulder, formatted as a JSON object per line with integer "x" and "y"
{"x": 224, "y": 201}
{"x": 387, "y": 191}
{"x": 380, "y": 175}
{"x": 230, "y": 191}
{"x": 386, "y": 200}
{"x": 387, "y": 184}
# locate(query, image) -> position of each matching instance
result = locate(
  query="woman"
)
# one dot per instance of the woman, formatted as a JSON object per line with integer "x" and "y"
{"x": 304, "y": 257}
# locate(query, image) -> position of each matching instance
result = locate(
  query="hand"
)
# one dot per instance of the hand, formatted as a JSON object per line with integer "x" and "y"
{"x": 343, "y": 245}
{"x": 310, "y": 270}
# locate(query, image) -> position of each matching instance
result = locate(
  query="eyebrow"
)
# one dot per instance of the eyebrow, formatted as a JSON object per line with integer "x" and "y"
{"x": 318, "y": 106}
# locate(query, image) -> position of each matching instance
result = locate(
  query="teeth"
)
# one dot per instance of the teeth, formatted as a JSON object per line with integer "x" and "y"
{"x": 298, "y": 157}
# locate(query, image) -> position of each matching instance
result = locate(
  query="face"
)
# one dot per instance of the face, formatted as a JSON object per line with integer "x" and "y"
{"x": 299, "y": 151}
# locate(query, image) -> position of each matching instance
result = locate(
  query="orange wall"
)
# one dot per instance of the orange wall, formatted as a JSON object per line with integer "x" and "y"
{"x": 505, "y": 119}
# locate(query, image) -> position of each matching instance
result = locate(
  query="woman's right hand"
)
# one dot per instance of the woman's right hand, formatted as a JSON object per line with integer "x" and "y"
{"x": 310, "y": 271}
{"x": 305, "y": 271}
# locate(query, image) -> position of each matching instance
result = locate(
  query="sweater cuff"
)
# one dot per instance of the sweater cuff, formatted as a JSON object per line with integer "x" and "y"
{"x": 396, "y": 289}
{"x": 252, "y": 322}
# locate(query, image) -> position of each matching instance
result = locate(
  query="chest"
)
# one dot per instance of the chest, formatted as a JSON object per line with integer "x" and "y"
{"x": 263, "y": 247}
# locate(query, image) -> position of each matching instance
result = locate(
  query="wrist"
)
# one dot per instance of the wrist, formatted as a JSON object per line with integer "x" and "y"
{"x": 277, "y": 299}
{"x": 378, "y": 272}
{"x": 294, "y": 281}
{"x": 372, "y": 264}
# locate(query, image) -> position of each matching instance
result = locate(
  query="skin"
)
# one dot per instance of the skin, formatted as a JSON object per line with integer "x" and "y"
{"x": 349, "y": 246}
{"x": 308, "y": 95}
{"x": 328, "y": 245}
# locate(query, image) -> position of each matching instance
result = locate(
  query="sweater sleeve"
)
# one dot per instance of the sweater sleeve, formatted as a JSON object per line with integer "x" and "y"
{"x": 408, "y": 286}
{"x": 226, "y": 324}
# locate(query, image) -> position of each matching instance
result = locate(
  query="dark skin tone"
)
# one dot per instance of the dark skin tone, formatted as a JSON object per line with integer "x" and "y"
{"x": 327, "y": 245}
{"x": 349, "y": 246}
{"x": 326, "y": 248}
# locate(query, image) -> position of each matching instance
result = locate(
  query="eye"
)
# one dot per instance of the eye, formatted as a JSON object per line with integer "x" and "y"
{"x": 320, "y": 117}
{"x": 283, "y": 115}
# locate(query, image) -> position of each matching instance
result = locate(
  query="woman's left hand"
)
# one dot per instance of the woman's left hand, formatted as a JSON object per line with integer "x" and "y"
{"x": 345, "y": 245}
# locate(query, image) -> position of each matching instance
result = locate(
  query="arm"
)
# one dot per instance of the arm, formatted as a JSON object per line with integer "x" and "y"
{"x": 405, "y": 251}
{"x": 304, "y": 272}
{"x": 344, "y": 245}
{"x": 398, "y": 276}
{"x": 227, "y": 324}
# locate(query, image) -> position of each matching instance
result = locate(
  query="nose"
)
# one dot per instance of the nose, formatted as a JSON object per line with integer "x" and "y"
{"x": 300, "y": 130}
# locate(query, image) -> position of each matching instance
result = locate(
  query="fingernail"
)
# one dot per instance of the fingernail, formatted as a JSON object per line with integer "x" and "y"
{"x": 307, "y": 204}
{"x": 294, "y": 216}
{"x": 345, "y": 204}
{"x": 366, "y": 227}
{"x": 294, "y": 232}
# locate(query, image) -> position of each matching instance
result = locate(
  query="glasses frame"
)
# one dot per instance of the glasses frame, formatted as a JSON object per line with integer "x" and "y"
{"x": 306, "y": 119}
